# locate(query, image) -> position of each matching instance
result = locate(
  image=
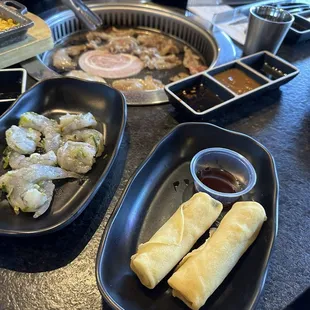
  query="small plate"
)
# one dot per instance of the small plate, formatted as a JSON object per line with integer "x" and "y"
{"x": 153, "y": 194}
{"x": 54, "y": 98}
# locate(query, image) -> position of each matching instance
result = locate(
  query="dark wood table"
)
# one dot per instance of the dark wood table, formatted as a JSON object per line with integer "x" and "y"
{"x": 58, "y": 271}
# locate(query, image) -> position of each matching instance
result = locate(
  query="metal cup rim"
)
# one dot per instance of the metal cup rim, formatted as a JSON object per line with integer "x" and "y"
{"x": 269, "y": 21}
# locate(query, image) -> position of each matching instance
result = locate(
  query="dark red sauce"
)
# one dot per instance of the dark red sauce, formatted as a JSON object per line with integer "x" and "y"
{"x": 219, "y": 180}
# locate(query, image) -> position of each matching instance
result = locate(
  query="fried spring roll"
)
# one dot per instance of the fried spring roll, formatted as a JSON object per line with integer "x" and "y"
{"x": 174, "y": 239}
{"x": 201, "y": 272}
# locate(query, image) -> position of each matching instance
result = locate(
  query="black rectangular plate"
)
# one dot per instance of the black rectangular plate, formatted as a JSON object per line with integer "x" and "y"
{"x": 54, "y": 98}
{"x": 156, "y": 190}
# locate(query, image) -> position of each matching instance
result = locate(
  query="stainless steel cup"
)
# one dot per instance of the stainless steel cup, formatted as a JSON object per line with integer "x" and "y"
{"x": 267, "y": 29}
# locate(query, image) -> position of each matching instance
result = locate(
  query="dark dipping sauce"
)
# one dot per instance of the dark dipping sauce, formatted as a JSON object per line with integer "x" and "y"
{"x": 268, "y": 70}
{"x": 237, "y": 80}
{"x": 300, "y": 27}
{"x": 11, "y": 95}
{"x": 199, "y": 97}
{"x": 219, "y": 180}
{"x": 10, "y": 88}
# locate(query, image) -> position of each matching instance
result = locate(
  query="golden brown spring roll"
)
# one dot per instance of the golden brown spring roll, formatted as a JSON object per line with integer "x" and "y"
{"x": 174, "y": 239}
{"x": 201, "y": 272}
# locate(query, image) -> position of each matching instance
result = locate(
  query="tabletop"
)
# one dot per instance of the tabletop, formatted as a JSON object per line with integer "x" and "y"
{"x": 57, "y": 271}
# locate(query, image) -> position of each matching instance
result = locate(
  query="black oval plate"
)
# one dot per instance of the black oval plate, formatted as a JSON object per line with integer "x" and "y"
{"x": 54, "y": 98}
{"x": 156, "y": 190}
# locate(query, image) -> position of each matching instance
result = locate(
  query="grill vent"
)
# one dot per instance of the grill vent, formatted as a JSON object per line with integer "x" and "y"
{"x": 169, "y": 24}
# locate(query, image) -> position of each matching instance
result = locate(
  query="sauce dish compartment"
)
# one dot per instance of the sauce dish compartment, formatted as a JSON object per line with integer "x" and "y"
{"x": 259, "y": 60}
{"x": 300, "y": 30}
{"x": 301, "y": 24}
{"x": 237, "y": 65}
{"x": 199, "y": 105}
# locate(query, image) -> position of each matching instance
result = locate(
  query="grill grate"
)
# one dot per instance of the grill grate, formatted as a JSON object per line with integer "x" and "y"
{"x": 64, "y": 23}
{"x": 170, "y": 24}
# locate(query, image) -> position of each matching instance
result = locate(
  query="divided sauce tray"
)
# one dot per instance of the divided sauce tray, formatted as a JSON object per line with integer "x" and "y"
{"x": 249, "y": 66}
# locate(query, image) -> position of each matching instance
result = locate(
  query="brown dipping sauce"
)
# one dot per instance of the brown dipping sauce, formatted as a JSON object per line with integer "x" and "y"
{"x": 199, "y": 97}
{"x": 236, "y": 80}
{"x": 219, "y": 180}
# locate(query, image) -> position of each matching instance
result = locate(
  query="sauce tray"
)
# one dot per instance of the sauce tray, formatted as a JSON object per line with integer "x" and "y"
{"x": 256, "y": 74}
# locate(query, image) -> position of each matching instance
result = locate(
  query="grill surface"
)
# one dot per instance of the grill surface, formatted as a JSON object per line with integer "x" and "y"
{"x": 65, "y": 23}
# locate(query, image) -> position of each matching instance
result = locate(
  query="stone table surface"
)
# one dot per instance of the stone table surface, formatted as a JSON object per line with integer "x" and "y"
{"x": 57, "y": 271}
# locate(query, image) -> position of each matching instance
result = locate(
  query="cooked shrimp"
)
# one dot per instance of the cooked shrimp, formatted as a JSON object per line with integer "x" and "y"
{"x": 47, "y": 188}
{"x": 22, "y": 140}
{"x": 90, "y": 136}
{"x": 76, "y": 156}
{"x": 26, "y": 189}
{"x": 62, "y": 59}
{"x": 37, "y": 121}
{"x": 52, "y": 139}
{"x": 17, "y": 161}
{"x": 70, "y": 122}
{"x": 47, "y": 126}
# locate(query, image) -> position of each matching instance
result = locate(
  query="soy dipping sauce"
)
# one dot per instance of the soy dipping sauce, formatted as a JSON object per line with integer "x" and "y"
{"x": 219, "y": 180}
{"x": 10, "y": 88}
{"x": 9, "y": 95}
{"x": 271, "y": 72}
{"x": 199, "y": 97}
